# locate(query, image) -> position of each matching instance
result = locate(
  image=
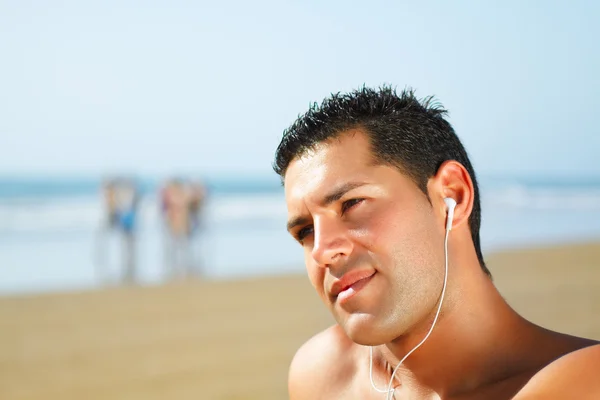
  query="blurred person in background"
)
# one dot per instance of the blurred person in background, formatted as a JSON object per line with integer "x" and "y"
{"x": 181, "y": 206}
{"x": 198, "y": 196}
{"x": 121, "y": 198}
{"x": 197, "y": 193}
{"x": 368, "y": 180}
{"x": 129, "y": 197}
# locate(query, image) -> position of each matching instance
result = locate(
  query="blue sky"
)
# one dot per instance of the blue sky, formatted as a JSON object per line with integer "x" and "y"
{"x": 197, "y": 87}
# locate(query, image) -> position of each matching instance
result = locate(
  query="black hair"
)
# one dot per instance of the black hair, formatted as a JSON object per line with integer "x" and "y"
{"x": 405, "y": 132}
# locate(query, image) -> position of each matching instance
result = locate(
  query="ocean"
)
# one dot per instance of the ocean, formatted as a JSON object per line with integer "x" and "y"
{"x": 50, "y": 238}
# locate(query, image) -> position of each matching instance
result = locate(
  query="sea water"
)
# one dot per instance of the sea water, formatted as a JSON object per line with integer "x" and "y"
{"x": 50, "y": 237}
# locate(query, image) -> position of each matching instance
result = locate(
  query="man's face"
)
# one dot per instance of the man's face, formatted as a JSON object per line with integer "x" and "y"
{"x": 373, "y": 246}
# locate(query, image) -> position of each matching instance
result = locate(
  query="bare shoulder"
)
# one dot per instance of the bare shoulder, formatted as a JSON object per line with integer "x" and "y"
{"x": 573, "y": 376}
{"x": 322, "y": 365}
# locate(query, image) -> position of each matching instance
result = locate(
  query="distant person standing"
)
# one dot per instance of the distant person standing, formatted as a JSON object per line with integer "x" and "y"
{"x": 181, "y": 206}
{"x": 128, "y": 202}
{"x": 121, "y": 200}
{"x": 197, "y": 194}
{"x": 177, "y": 225}
{"x": 197, "y": 200}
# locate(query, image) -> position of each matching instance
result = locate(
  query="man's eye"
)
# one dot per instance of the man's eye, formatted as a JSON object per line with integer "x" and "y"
{"x": 304, "y": 232}
{"x": 348, "y": 204}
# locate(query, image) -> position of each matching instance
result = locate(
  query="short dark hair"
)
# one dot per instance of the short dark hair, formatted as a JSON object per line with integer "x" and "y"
{"x": 405, "y": 132}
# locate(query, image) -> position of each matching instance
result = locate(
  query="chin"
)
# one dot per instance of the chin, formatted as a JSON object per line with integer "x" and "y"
{"x": 363, "y": 329}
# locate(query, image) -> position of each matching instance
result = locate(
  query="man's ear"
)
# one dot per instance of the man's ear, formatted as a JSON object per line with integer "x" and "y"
{"x": 452, "y": 180}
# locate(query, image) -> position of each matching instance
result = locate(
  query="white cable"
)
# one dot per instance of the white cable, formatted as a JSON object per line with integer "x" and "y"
{"x": 390, "y": 391}
{"x": 371, "y": 373}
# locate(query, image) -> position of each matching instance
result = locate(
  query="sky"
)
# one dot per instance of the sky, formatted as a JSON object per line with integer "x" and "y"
{"x": 163, "y": 87}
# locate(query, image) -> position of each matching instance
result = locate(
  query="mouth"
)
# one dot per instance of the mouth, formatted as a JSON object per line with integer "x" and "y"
{"x": 350, "y": 284}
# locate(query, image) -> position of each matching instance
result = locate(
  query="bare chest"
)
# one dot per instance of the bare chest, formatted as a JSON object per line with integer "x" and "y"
{"x": 359, "y": 388}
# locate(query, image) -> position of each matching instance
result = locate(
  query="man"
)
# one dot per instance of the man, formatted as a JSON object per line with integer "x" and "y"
{"x": 121, "y": 200}
{"x": 365, "y": 176}
{"x": 176, "y": 211}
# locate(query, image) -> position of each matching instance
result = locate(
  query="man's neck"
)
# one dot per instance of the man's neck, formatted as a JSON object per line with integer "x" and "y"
{"x": 477, "y": 341}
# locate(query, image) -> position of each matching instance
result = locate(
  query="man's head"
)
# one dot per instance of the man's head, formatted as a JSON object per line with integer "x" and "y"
{"x": 359, "y": 172}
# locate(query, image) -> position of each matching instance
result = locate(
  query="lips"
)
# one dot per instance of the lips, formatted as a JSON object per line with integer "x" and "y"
{"x": 351, "y": 281}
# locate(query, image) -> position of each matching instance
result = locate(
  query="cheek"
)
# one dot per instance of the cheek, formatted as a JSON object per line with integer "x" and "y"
{"x": 400, "y": 241}
{"x": 417, "y": 253}
{"x": 382, "y": 232}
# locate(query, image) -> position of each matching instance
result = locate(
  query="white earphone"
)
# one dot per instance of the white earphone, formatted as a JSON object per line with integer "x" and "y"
{"x": 389, "y": 393}
{"x": 451, "y": 204}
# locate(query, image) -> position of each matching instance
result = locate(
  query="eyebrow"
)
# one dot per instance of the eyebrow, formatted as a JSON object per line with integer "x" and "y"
{"x": 333, "y": 196}
{"x": 295, "y": 222}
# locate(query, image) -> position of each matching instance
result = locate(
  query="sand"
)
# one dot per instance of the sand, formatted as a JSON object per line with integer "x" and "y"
{"x": 231, "y": 340}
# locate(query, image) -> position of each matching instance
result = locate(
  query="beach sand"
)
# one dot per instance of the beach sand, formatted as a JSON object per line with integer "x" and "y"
{"x": 232, "y": 340}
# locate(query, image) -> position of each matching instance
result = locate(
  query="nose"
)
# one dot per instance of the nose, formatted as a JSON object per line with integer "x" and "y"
{"x": 332, "y": 244}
